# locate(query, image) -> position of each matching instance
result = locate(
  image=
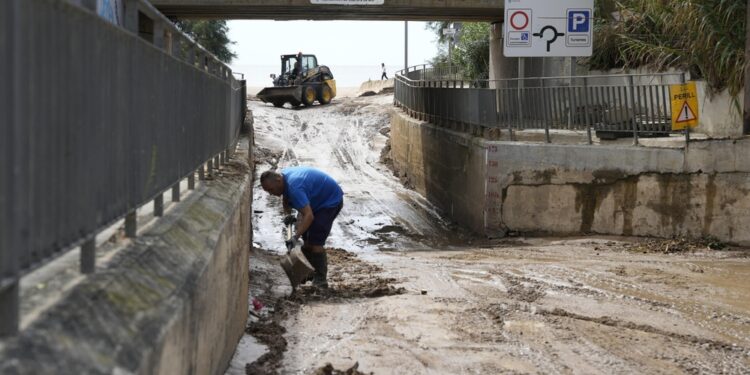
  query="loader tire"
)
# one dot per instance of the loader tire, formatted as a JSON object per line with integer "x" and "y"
{"x": 278, "y": 104}
{"x": 308, "y": 96}
{"x": 325, "y": 95}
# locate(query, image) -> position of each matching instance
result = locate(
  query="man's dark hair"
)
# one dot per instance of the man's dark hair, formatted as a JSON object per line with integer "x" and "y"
{"x": 268, "y": 175}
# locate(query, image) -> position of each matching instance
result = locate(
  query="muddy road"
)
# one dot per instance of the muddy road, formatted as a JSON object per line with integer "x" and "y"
{"x": 413, "y": 294}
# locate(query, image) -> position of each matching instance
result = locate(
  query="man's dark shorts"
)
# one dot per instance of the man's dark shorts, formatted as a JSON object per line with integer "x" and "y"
{"x": 321, "y": 226}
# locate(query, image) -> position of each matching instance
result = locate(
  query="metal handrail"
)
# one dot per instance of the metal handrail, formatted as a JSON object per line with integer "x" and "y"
{"x": 399, "y": 74}
{"x": 111, "y": 138}
{"x": 612, "y": 104}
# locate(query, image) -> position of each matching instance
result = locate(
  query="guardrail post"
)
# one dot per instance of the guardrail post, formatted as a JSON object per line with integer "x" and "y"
{"x": 210, "y": 168}
{"x": 159, "y": 34}
{"x": 88, "y": 256}
{"x": 634, "y": 122}
{"x": 159, "y": 205}
{"x": 175, "y": 44}
{"x": 197, "y": 58}
{"x": 586, "y": 108}
{"x": 217, "y": 162}
{"x": 687, "y": 128}
{"x": 191, "y": 181}
{"x": 546, "y": 121}
{"x": 201, "y": 173}
{"x": 190, "y": 53}
{"x": 130, "y": 19}
{"x": 519, "y": 88}
{"x": 131, "y": 225}
{"x": 9, "y": 305}
{"x": 176, "y": 192}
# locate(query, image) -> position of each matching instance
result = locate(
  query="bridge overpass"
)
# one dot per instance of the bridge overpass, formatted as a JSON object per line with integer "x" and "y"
{"x": 428, "y": 10}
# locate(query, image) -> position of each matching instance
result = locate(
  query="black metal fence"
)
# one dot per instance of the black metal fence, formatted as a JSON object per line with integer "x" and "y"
{"x": 612, "y": 105}
{"x": 97, "y": 121}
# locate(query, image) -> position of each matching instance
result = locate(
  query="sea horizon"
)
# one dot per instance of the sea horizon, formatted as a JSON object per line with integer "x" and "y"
{"x": 345, "y": 75}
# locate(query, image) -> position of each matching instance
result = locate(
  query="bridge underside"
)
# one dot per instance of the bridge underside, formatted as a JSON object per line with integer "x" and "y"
{"x": 490, "y": 10}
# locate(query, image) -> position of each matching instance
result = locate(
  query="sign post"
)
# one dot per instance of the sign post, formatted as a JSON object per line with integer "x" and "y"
{"x": 542, "y": 28}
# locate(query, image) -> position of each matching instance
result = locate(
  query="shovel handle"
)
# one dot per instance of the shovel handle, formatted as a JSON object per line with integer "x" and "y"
{"x": 289, "y": 237}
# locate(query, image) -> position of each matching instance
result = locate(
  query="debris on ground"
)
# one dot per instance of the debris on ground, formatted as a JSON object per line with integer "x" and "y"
{"x": 675, "y": 245}
{"x": 263, "y": 155}
{"x": 349, "y": 277}
{"x": 269, "y": 332}
{"x": 328, "y": 369}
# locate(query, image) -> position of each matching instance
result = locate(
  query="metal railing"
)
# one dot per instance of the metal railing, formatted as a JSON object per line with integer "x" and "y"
{"x": 97, "y": 121}
{"x": 633, "y": 105}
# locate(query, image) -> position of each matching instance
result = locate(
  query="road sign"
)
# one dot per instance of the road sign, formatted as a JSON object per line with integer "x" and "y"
{"x": 449, "y": 31}
{"x": 684, "y": 99}
{"x": 548, "y": 28}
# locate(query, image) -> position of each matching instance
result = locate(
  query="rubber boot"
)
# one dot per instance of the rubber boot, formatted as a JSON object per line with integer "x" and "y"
{"x": 320, "y": 262}
{"x": 310, "y": 258}
{"x": 321, "y": 271}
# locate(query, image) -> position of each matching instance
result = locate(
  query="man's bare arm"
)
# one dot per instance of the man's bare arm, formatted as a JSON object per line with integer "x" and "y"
{"x": 306, "y": 221}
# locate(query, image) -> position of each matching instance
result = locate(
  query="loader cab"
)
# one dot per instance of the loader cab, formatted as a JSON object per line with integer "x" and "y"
{"x": 289, "y": 61}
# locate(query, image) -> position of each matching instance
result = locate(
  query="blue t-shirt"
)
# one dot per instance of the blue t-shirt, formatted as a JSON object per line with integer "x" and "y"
{"x": 305, "y": 185}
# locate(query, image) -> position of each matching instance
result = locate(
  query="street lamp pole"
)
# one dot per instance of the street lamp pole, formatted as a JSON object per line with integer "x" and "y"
{"x": 406, "y": 44}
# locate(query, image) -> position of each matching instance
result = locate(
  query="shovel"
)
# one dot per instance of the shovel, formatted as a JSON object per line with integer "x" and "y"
{"x": 294, "y": 263}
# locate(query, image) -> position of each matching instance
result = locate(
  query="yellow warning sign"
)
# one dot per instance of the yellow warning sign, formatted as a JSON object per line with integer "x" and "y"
{"x": 684, "y": 99}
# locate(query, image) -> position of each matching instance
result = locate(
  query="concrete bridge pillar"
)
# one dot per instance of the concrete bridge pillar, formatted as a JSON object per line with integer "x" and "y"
{"x": 501, "y": 67}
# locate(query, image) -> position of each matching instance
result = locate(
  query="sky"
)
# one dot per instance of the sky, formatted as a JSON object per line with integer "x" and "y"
{"x": 335, "y": 43}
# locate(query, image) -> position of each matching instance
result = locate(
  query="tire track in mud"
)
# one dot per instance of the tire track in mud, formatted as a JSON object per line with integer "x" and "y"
{"x": 604, "y": 352}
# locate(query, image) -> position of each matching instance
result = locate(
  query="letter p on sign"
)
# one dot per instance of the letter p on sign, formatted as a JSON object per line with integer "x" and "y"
{"x": 578, "y": 20}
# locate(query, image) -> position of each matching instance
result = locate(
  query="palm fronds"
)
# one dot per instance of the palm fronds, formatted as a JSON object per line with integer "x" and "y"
{"x": 706, "y": 37}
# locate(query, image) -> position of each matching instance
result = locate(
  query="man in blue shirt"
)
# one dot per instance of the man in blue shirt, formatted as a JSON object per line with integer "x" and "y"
{"x": 318, "y": 199}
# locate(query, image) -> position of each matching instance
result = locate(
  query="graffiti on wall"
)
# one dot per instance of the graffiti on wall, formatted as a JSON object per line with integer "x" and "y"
{"x": 110, "y": 10}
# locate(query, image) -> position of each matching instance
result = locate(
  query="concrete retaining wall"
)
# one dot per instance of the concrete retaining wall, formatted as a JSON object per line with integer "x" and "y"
{"x": 496, "y": 186}
{"x": 174, "y": 301}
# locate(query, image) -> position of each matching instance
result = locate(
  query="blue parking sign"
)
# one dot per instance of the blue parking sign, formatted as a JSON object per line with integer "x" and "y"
{"x": 579, "y": 20}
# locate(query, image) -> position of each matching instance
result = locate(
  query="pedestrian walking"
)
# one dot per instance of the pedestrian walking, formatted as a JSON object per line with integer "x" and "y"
{"x": 384, "y": 75}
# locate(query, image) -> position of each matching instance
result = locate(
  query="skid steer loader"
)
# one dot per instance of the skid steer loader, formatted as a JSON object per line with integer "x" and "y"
{"x": 301, "y": 82}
